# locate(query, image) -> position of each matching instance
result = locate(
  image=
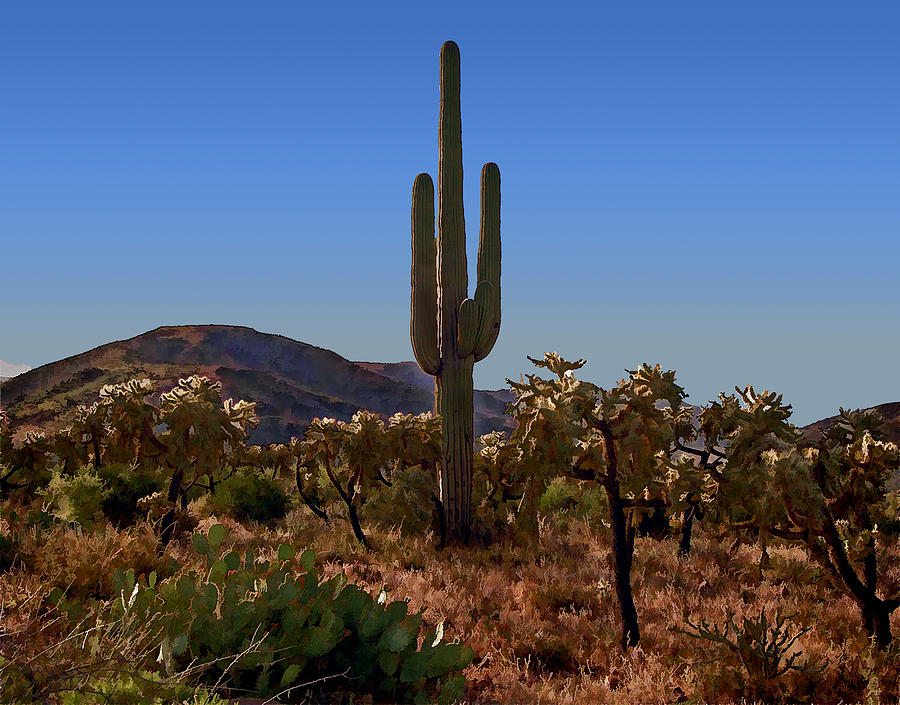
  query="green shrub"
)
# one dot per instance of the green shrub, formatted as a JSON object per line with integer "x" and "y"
{"x": 78, "y": 498}
{"x": 111, "y": 491}
{"x": 258, "y": 628}
{"x": 577, "y": 498}
{"x": 146, "y": 688}
{"x": 250, "y": 495}
{"x": 406, "y": 503}
{"x": 126, "y": 486}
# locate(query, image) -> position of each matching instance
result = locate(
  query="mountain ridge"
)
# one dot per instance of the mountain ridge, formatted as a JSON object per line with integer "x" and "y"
{"x": 291, "y": 381}
{"x": 890, "y": 411}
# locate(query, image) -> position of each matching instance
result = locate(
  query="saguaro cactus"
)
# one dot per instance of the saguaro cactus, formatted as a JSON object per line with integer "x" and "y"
{"x": 449, "y": 331}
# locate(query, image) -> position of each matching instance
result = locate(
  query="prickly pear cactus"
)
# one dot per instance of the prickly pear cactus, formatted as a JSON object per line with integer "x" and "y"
{"x": 260, "y": 627}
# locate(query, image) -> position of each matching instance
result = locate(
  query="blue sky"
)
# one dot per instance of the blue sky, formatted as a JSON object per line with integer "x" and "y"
{"x": 711, "y": 186}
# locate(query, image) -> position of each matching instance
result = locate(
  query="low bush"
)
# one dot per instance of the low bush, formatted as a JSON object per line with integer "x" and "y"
{"x": 82, "y": 562}
{"x": 577, "y": 498}
{"x": 406, "y": 503}
{"x": 763, "y": 647}
{"x": 111, "y": 492}
{"x": 250, "y": 495}
{"x": 126, "y": 486}
{"x": 78, "y": 498}
{"x": 145, "y": 688}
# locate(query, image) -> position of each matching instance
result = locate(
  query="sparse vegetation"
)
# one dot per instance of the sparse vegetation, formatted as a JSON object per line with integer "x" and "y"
{"x": 97, "y": 604}
{"x": 610, "y": 545}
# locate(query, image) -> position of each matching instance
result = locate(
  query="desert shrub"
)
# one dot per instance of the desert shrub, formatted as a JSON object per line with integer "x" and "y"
{"x": 81, "y": 563}
{"x": 144, "y": 688}
{"x": 126, "y": 485}
{"x": 259, "y": 627}
{"x": 576, "y": 498}
{"x": 78, "y": 498}
{"x": 112, "y": 492}
{"x": 250, "y": 495}
{"x": 763, "y": 648}
{"x": 17, "y": 525}
{"x": 406, "y": 503}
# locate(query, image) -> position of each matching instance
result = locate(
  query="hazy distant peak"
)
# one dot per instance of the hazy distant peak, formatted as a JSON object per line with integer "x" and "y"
{"x": 8, "y": 369}
{"x": 407, "y": 372}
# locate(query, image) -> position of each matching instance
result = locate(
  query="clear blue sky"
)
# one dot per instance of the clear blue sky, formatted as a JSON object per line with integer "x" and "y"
{"x": 711, "y": 186}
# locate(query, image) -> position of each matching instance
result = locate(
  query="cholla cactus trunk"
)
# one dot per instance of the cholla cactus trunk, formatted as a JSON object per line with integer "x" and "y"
{"x": 449, "y": 331}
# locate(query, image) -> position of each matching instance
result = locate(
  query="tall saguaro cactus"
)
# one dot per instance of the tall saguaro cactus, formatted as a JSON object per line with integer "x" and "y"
{"x": 449, "y": 331}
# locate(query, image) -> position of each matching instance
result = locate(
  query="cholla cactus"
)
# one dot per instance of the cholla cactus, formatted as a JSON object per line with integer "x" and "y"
{"x": 352, "y": 462}
{"x": 831, "y": 496}
{"x": 497, "y": 461}
{"x": 27, "y": 465}
{"x": 621, "y": 439}
{"x": 131, "y": 419}
{"x": 90, "y": 424}
{"x": 352, "y": 455}
{"x": 415, "y": 439}
{"x": 449, "y": 331}
{"x": 200, "y": 431}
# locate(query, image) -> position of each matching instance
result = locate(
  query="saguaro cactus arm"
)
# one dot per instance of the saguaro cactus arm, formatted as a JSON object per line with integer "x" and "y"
{"x": 469, "y": 319}
{"x": 423, "y": 321}
{"x": 489, "y": 260}
{"x": 479, "y": 317}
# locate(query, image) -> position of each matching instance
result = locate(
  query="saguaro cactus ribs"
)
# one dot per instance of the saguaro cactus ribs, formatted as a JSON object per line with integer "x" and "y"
{"x": 449, "y": 331}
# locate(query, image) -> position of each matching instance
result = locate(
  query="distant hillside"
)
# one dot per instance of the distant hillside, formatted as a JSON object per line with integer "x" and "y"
{"x": 890, "y": 412}
{"x": 292, "y": 382}
{"x": 489, "y": 402}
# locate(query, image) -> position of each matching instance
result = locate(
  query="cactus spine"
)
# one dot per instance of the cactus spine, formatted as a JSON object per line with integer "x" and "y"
{"x": 449, "y": 331}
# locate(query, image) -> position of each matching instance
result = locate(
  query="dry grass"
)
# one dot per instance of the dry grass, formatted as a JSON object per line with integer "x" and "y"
{"x": 542, "y": 620}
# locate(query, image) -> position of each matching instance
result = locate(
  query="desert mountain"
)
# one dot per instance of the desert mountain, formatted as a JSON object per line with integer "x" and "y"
{"x": 489, "y": 402}
{"x": 292, "y": 382}
{"x": 890, "y": 412}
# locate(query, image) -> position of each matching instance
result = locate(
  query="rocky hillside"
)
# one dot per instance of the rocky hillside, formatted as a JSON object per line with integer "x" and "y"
{"x": 890, "y": 412}
{"x": 292, "y": 382}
